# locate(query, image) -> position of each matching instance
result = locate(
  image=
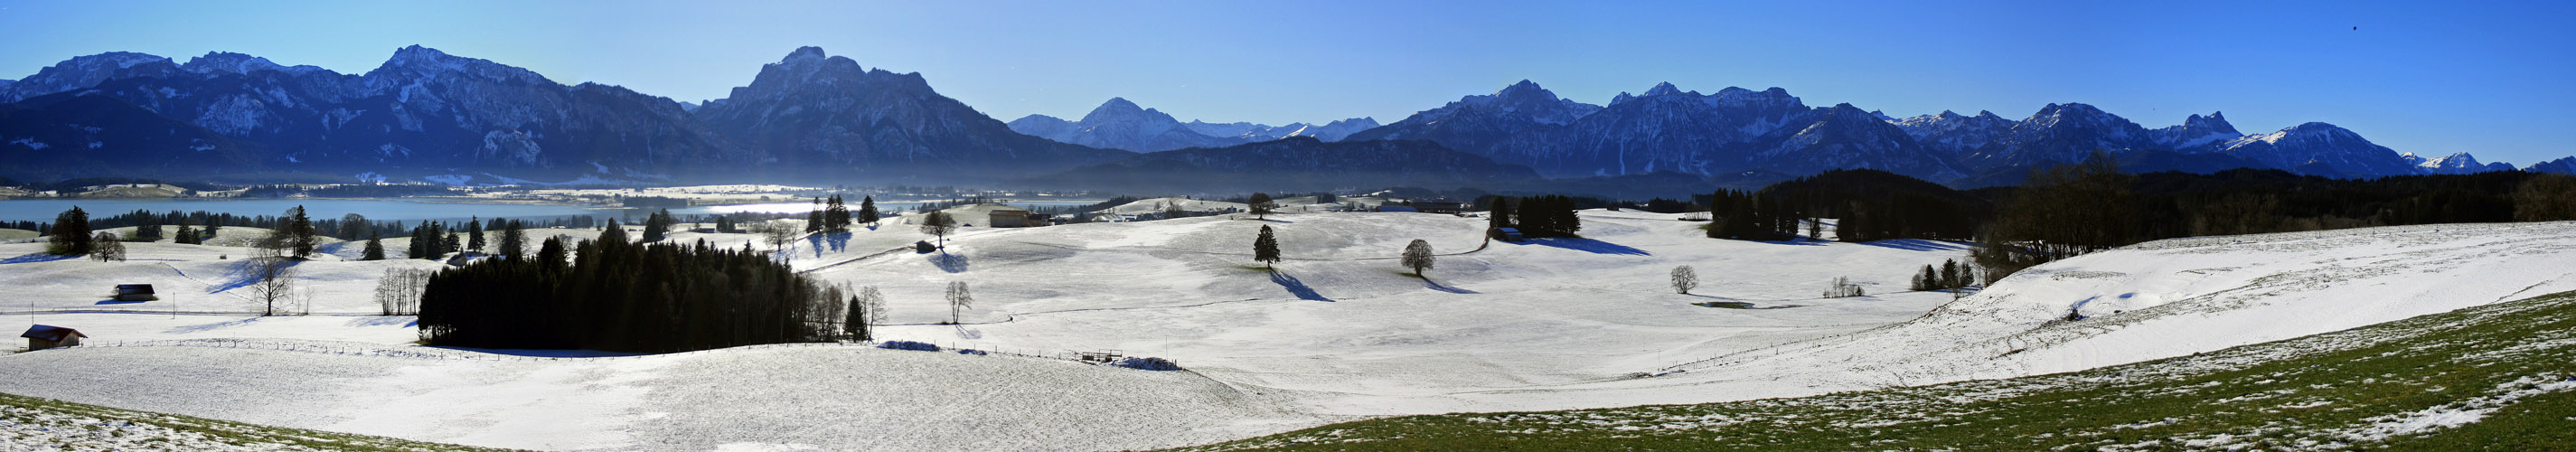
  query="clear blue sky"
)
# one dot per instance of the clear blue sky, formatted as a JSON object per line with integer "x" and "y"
{"x": 2434, "y": 78}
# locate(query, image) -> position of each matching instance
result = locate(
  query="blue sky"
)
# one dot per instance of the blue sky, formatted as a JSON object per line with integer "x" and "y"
{"x": 2434, "y": 78}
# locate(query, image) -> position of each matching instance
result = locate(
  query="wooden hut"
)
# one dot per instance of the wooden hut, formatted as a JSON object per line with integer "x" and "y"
{"x": 42, "y": 337}
{"x": 135, "y": 292}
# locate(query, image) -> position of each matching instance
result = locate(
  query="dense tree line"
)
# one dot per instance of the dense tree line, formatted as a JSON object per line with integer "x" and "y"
{"x": 1743, "y": 215}
{"x": 1536, "y": 216}
{"x": 635, "y": 297}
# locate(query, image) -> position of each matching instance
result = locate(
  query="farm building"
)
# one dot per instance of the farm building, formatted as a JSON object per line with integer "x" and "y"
{"x": 135, "y": 292}
{"x": 42, "y": 337}
{"x": 1009, "y": 217}
{"x": 1507, "y": 234}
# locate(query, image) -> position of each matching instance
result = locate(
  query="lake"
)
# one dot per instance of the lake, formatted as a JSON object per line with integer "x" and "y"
{"x": 406, "y": 209}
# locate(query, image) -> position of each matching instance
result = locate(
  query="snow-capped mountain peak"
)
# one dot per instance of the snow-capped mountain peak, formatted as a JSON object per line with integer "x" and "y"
{"x": 2197, "y": 133}
{"x": 2458, "y": 163}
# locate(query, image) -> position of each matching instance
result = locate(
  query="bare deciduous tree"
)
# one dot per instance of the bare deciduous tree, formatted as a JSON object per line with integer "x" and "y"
{"x": 1685, "y": 279}
{"x": 273, "y": 285}
{"x": 958, "y": 300}
{"x": 778, "y": 233}
{"x": 939, "y": 224}
{"x": 107, "y": 247}
{"x": 1417, "y": 256}
{"x": 398, "y": 293}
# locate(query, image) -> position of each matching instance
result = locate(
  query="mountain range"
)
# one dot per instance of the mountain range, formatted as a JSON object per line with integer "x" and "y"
{"x": 425, "y": 115}
{"x": 1119, "y": 124}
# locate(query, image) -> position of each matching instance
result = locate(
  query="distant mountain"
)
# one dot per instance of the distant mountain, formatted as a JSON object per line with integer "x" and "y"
{"x": 1291, "y": 164}
{"x": 2459, "y": 163}
{"x": 65, "y": 135}
{"x": 427, "y": 115}
{"x": 1119, "y": 124}
{"x": 2061, "y": 133}
{"x": 1952, "y": 134}
{"x": 2318, "y": 148}
{"x": 1333, "y": 131}
{"x": 1478, "y": 124}
{"x": 2196, "y": 132}
{"x": 2563, "y": 165}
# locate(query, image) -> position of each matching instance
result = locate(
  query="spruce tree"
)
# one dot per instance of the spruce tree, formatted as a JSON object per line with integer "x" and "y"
{"x": 474, "y": 234}
{"x": 868, "y": 211}
{"x": 1501, "y": 214}
{"x": 299, "y": 230}
{"x": 375, "y": 246}
{"x": 514, "y": 240}
{"x": 613, "y": 234}
{"x": 656, "y": 225}
{"x": 71, "y": 234}
{"x": 836, "y": 216}
{"x": 1265, "y": 248}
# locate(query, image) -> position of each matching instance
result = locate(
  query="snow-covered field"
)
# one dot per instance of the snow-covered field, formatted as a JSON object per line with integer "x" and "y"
{"x": 1338, "y": 330}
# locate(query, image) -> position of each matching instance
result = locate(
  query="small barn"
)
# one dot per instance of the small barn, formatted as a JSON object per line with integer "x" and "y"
{"x": 42, "y": 337}
{"x": 1397, "y": 209}
{"x": 135, "y": 292}
{"x": 1508, "y": 234}
{"x": 1009, "y": 217}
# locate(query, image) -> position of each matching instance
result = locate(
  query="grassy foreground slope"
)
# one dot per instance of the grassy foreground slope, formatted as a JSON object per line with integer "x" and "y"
{"x": 46, "y": 424}
{"x": 2495, "y": 377}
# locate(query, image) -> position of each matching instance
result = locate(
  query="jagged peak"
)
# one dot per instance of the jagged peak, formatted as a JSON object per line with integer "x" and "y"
{"x": 1524, "y": 88}
{"x": 803, "y": 54}
{"x": 1663, "y": 88}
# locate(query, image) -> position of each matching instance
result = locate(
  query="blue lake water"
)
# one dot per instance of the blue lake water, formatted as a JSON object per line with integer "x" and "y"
{"x": 407, "y": 209}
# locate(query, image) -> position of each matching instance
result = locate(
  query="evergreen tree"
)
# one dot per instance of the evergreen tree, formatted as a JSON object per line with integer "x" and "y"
{"x": 375, "y": 246}
{"x": 1265, "y": 248}
{"x": 514, "y": 239}
{"x": 814, "y": 218}
{"x": 868, "y": 211}
{"x": 1500, "y": 215}
{"x": 71, "y": 234}
{"x": 299, "y": 231}
{"x": 655, "y": 225}
{"x": 551, "y": 254}
{"x": 836, "y": 216}
{"x": 149, "y": 230}
{"x": 186, "y": 235}
{"x": 474, "y": 235}
{"x": 613, "y": 234}
{"x": 449, "y": 245}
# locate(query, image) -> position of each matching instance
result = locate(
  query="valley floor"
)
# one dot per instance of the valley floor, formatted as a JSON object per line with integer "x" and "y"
{"x": 1335, "y": 333}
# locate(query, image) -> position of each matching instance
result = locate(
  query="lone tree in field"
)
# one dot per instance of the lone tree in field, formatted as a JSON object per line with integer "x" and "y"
{"x": 71, "y": 234}
{"x": 868, "y": 211}
{"x": 375, "y": 247}
{"x": 273, "y": 283}
{"x": 1417, "y": 256}
{"x": 939, "y": 224}
{"x": 1261, "y": 205}
{"x": 958, "y": 300}
{"x": 106, "y": 247}
{"x": 1265, "y": 248}
{"x": 352, "y": 226}
{"x": 1685, "y": 279}
{"x": 777, "y": 232}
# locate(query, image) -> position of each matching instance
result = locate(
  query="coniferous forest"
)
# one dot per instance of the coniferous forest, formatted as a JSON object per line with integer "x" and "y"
{"x": 614, "y": 295}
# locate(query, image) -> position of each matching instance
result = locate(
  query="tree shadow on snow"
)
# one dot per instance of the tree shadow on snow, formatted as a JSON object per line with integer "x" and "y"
{"x": 1917, "y": 245}
{"x": 1588, "y": 246}
{"x": 30, "y": 258}
{"x": 949, "y": 262}
{"x": 815, "y": 241}
{"x": 1296, "y": 287}
{"x": 1435, "y": 285}
{"x": 969, "y": 333}
{"x": 185, "y": 329}
{"x": 840, "y": 241}
{"x": 243, "y": 273}
{"x": 390, "y": 320}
